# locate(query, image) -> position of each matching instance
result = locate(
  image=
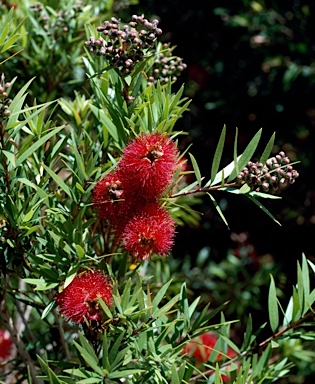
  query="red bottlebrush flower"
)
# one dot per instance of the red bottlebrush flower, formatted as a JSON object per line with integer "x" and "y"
{"x": 6, "y": 345}
{"x": 201, "y": 348}
{"x": 150, "y": 231}
{"x": 113, "y": 203}
{"x": 148, "y": 165}
{"x": 79, "y": 300}
{"x": 108, "y": 196}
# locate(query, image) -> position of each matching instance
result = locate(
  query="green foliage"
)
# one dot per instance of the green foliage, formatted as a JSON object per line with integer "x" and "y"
{"x": 52, "y": 156}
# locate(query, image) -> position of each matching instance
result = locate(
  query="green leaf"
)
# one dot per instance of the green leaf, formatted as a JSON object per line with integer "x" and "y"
{"x": 175, "y": 378}
{"x": 160, "y": 295}
{"x": 300, "y": 288}
{"x": 244, "y": 189}
{"x": 80, "y": 250}
{"x": 204, "y": 318}
{"x": 105, "y": 309}
{"x": 218, "y": 154}
{"x": 258, "y": 203}
{"x": 48, "y": 308}
{"x": 4, "y": 33}
{"x": 246, "y": 155}
{"x": 10, "y": 156}
{"x": 196, "y": 168}
{"x": 306, "y": 280}
{"x": 17, "y": 102}
{"x": 288, "y": 313}
{"x": 217, "y": 376}
{"x": 265, "y": 156}
{"x": 237, "y": 171}
{"x": 225, "y": 172}
{"x": 273, "y": 306}
{"x": 9, "y": 43}
{"x": 187, "y": 188}
{"x": 58, "y": 180}
{"x": 28, "y": 216}
{"x": 34, "y": 281}
{"x": 88, "y": 354}
{"x": 263, "y": 361}
{"x": 91, "y": 380}
{"x": 184, "y": 305}
{"x": 53, "y": 379}
{"x": 296, "y": 310}
{"x": 162, "y": 311}
{"x": 217, "y": 207}
{"x": 115, "y": 348}
{"x": 71, "y": 274}
{"x": 124, "y": 374}
{"x": 33, "y": 148}
{"x": 125, "y": 297}
{"x": 264, "y": 195}
{"x": 312, "y": 265}
{"x": 248, "y": 336}
{"x": 106, "y": 122}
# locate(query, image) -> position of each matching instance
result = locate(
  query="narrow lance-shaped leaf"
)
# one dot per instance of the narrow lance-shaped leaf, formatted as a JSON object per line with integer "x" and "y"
{"x": 246, "y": 155}
{"x": 106, "y": 122}
{"x": 36, "y": 145}
{"x": 184, "y": 305}
{"x": 258, "y": 203}
{"x": 235, "y": 153}
{"x": 159, "y": 296}
{"x": 217, "y": 207}
{"x": 273, "y": 306}
{"x": 225, "y": 172}
{"x": 10, "y": 42}
{"x": 52, "y": 377}
{"x": 300, "y": 288}
{"x": 58, "y": 180}
{"x": 174, "y": 377}
{"x": 196, "y": 168}
{"x": 17, "y": 102}
{"x": 265, "y": 156}
{"x": 306, "y": 279}
{"x": 248, "y": 336}
{"x": 4, "y": 33}
{"x": 218, "y": 154}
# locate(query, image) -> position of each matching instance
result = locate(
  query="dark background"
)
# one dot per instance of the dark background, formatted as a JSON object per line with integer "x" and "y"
{"x": 250, "y": 65}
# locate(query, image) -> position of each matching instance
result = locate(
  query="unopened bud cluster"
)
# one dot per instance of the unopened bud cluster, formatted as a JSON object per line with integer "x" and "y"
{"x": 124, "y": 46}
{"x": 5, "y": 101}
{"x": 277, "y": 172}
{"x": 59, "y": 23}
{"x": 166, "y": 67}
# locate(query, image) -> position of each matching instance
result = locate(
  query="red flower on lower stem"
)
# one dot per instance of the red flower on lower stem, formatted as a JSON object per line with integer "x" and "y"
{"x": 151, "y": 230}
{"x": 78, "y": 302}
{"x": 202, "y": 347}
{"x": 148, "y": 165}
{"x": 6, "y": 345}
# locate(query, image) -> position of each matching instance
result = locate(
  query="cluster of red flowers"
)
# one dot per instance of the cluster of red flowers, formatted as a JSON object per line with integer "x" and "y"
{"x": 129, "y": 198}
{"x": 202, "y": 347}
{"x": 6, "y": 345}
{"x": 78, "y": 302}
